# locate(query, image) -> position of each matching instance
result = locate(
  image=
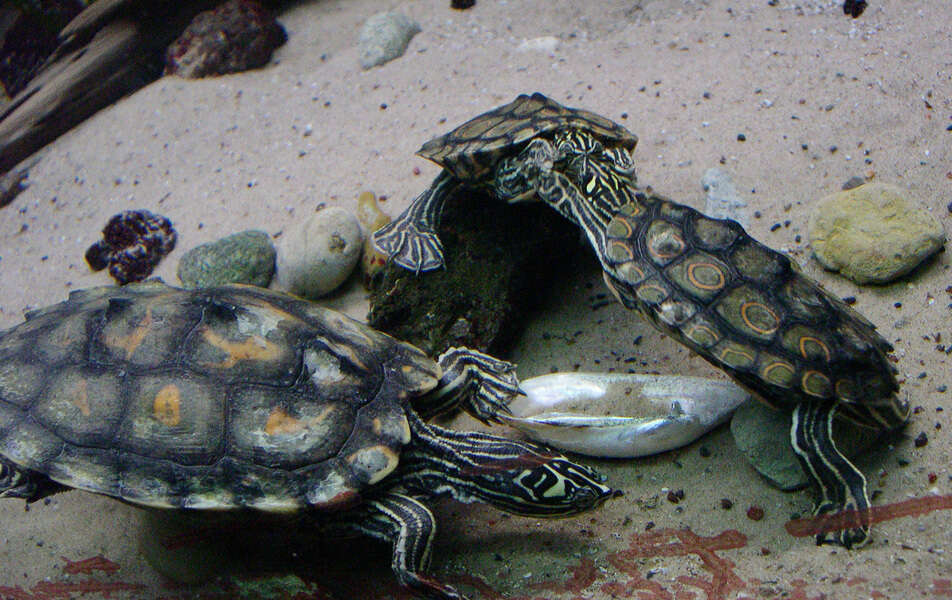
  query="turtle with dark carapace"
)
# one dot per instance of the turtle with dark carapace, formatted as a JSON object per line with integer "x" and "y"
{"x": 706, "y": 282}
{"x": 237, "y": 397}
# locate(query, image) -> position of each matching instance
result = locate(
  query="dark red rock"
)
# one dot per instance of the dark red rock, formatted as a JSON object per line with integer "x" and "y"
{"x": 236, "y": 36}
{"x": 133, "y": 243}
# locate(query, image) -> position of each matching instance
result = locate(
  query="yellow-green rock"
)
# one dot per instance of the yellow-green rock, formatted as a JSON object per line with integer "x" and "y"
{"x": 873, "y": 233}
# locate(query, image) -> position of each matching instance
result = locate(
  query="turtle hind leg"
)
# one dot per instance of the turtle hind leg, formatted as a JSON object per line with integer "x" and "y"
{"x": 481, "y": 384}
{"x": 410, "y": 526}
{"x": 841, "y": 487}
{"x": 17, "y": 482}
{"x": 411, "y": 239}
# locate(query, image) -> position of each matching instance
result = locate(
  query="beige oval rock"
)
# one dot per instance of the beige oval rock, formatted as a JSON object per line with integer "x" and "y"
{"x": 318, "y": 255}
{"x": 873, "y": 233}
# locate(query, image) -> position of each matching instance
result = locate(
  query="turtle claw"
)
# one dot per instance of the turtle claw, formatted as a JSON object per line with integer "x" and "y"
{"x": 481, "y": 384}
{"x": 409, "y": 246}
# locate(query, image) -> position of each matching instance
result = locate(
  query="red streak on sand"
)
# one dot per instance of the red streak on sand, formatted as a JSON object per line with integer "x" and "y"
{"x": 680, "y": 542}
{"x": 808, "y": 526}
{"x": 88, "y": 565}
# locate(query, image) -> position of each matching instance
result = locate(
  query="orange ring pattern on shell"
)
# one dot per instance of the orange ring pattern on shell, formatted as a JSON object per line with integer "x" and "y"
{"x": 811, "y": 379}
{"x": 664, "y": 241}
{"x": 721, "y": 280}
{"x": 619, "y": 228}
{"x": 652, "y": 293}
{"x": 735, "y": 356}
{"x": 761, "y": 330}
{"x": 620, "y": 252}
{"x": 804, "y": 340}
{"x": 783, "y": 381}
{"x": 631, "y": 209}
{"x": 702, "y": 335}
{"x": 630, "y": 272}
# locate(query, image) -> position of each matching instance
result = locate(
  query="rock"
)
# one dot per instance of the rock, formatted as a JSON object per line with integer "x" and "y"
{"x": 319, "y": 254}
{"x": 236, "y": 36}
{"x": 371, "y": 218}
{"x": 500, "y": 262}
{"x": 873, "y": 233}
{"x": 853, "y": 182}
{"x": 134, "y": 241}
{"x": 384, "y": 37}
{"x": 547, "y": 44}
{"x": 723, "y": 201}
{"x": 276, "y": 587}
{"x": 245, "y": 257}
{"x": 762, "y": 434}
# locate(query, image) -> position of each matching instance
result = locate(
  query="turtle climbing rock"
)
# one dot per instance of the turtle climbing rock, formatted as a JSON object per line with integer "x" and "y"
{"x": 241, "y": 398}
{"x": 497, "y": 151}
{"x": 745, "y": 308}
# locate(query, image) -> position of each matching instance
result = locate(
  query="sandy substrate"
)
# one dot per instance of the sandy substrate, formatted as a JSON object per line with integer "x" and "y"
{"x": 819, "y": 98}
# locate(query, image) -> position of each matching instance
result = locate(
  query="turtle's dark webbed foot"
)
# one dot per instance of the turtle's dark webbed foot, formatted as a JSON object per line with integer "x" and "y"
{"x": 411, "y": 240}
{"x": 409, "y": 246}
{"x": 482, "y": 384}
{"x": 410, "y": 526}
{"x": 843, "y": 508}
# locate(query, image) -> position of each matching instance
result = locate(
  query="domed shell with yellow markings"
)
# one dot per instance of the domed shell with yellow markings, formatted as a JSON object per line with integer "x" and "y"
{"x": 217, "y": 398}
{"x": 748, "y": 310}
{"x": 471, "y": 150}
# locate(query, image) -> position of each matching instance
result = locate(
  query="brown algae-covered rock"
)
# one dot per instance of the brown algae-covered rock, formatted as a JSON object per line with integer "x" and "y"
{"x": 873, "y": 233}
{"x": 236, "y": 36}
{"x": 500, "y": 260}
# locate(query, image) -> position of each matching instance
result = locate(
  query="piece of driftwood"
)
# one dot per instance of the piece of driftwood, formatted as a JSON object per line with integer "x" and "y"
{"x": 111, "y": 49}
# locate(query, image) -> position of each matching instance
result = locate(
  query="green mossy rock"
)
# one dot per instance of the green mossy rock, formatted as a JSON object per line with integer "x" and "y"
{"x": 246, "y": 257}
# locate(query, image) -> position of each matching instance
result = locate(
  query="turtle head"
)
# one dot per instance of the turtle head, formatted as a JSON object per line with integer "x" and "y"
{"x": 556, "y": 488}
{"x": 515, "y": 476}
{"x": 582, "y": 155}
{"x": 533, "y": 480}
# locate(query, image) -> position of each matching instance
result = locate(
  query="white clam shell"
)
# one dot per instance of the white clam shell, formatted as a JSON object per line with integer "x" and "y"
{"x": 621, "y": 415}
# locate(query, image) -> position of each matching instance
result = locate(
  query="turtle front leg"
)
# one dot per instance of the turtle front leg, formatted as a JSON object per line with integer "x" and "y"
{"x": 411, "y": 240}
{"x": 480, "y": 384}
{"x": 410, "y": 526}
{"x": 16, "y": 482}
{"x": 840, "y": 486}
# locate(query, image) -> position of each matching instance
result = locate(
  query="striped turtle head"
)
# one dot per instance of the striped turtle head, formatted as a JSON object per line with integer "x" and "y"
{"x": 532, "y": 480}
{"x": 579, "y": 149}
